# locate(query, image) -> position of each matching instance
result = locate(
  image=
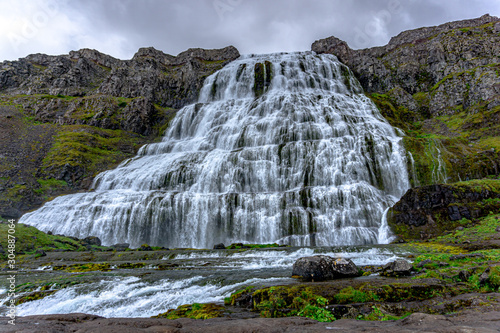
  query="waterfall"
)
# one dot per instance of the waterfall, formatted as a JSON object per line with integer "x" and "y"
{"x": 280, "y": 148}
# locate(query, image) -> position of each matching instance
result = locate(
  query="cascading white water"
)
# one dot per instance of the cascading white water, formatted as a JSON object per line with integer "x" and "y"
{"x": 280, "y": 148}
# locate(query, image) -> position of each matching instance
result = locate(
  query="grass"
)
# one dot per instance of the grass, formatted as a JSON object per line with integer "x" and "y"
{"x": 283, "y": 301}
{"x": 49, "y": 185}
{"x": 484, "y": 229}
{"x": 29, "y": 239}
{"x": 88, "y": 148}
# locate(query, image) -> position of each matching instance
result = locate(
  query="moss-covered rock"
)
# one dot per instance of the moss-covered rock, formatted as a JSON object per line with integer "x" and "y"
{"x": 194, "y": 311}
{"x": 29, "y": 239}
{"x": 430, "y": 211}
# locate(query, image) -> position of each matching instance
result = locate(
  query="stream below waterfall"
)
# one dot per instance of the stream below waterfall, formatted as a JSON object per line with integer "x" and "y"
{"x": 195, "y": 277}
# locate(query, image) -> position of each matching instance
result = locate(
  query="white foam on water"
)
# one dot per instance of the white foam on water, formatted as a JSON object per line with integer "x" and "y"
{"x": 131, "y": 297}
{"x": 255, "y": 259}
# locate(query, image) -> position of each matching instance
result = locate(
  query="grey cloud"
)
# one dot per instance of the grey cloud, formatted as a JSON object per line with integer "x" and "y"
{"x": 257, "y": 26}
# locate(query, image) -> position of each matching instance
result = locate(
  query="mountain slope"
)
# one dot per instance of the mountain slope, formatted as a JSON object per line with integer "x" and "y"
{"x": 66, "y": 118}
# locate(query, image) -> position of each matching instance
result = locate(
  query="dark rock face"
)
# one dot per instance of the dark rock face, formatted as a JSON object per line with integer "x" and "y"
{"x": 397, "y": 268}
{"x": 91, "y": 240}
{"x": 453, "y": 62}
{"x": 321, "y": 268}
{"x": 145, "y": 247}
{"x": 428, "y": 211}
{"x": 120, "y": 246}
{"x": 219, "y": 246}
{"x": 150, "y": 78}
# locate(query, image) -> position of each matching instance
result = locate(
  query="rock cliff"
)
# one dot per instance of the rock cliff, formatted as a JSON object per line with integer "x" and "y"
{"x": 430, "y": 211}
{"x": 442, "y": 86}
{"x": 66, "y": 118}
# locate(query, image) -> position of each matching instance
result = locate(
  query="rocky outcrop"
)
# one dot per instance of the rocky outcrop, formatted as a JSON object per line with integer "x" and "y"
{"x": 160, "y": 78}
{"x": 397, "y": 268}
{"x": 454, "y": 63}
{"x": 321, "y": 268}
{"x": 91, "y": 88}
{"x": 65, "y": 118}
{"x": 430, "y": 211}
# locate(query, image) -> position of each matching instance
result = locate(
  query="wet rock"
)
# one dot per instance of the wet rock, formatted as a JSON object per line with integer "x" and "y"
{"x": 343, "y": 311}
{"x": 145, "y": 247}
{"x": 424, "y": 262}
{"x": 344, "y": 268}
{"x": 464, "y": 275}
{"x": 397, "y": 268}
{"x": 497, "y": 229}
{"x": 120, "y": 246}
{"x": 219, "y": 246}
{"x": 321, "y": 268}
{"x": 430, "y": 211}
{"x": 41, "y": 252}
{"x": 91, "y": 240}
{"x": 484, "y": 277}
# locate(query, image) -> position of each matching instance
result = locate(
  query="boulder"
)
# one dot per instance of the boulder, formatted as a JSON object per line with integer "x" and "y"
{"x": 397, "y": 268}
{"x": 464, "y": 275}
{"x": 120, "y": 246}
{"x": 484, "y": 277}
{"x": 219, "y": 246}
{"x": 91, "y": 240}
{"x": 344, "y": 268}
{"x": 145, "y": 247}
{"x": 41, "y": 252}
{"x": 321, "y": 268}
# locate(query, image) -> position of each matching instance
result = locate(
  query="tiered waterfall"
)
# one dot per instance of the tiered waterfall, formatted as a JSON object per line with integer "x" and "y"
{"x": 280, "y": 148}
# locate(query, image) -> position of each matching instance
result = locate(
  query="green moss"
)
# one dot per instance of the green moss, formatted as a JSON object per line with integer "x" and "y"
{"x": 83, "y": 267}
{"x": 90, "y": 149}
{"x": 194, "y": 311}
{"x": 483, "y": 229}
{"x": 129, "y": 265}
{"x": 50, "y": 185}
{"x": 494, "y": 277}
{"x": 29, "y": 239}
{"x": 168, "y": 116}
{"x": 231, "y": 300}
{"x": 396, "y": 115}
{"x": 283, "y": 301}
{"x": 351, "y": 295}
{"x": 34, "y": 296}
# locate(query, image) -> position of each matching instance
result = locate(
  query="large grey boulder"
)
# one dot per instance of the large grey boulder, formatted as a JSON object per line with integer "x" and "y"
{"x": 397, "y": 268}
{"x": 321, "y": 268}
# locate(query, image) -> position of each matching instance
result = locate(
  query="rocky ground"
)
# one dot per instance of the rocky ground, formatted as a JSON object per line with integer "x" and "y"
{"x": 469, "y": 321}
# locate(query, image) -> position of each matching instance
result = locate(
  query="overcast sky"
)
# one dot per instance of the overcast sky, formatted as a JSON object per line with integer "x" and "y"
{"x": 121, "y": 27}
